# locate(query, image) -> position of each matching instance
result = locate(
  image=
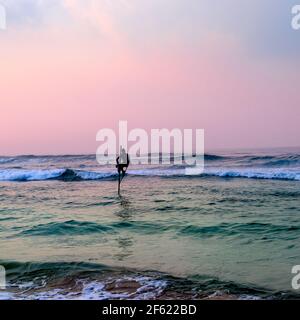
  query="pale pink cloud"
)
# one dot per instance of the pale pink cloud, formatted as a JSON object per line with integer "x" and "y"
{"x": 99, "y": 14}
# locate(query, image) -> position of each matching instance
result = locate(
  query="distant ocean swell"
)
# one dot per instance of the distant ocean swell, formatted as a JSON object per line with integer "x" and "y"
{"x": 292, "y": 157}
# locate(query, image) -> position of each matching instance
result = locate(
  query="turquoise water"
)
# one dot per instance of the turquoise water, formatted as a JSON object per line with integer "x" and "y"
{"x": 234, "y": 229}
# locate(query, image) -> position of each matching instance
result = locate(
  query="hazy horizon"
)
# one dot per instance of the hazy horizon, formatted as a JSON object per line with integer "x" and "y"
{"x": 208, "y": 151}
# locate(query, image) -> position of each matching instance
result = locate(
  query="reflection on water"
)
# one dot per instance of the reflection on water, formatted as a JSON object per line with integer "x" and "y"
{"x": 125, "y": 213}
{"x": 125, "y": 245}
{"x": 126, "y": 210}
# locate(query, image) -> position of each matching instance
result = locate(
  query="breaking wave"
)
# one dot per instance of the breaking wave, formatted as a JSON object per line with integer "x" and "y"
{"x": 284, "y": 166}
{"x": 55, "y": 174}
{"x": 87, "y": 281}
{"x": 69, "y": 175}
{"x": 276, "y": 174}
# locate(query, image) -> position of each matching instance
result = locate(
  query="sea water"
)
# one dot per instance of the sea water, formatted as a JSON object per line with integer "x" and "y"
{"x": 234, "y": 230}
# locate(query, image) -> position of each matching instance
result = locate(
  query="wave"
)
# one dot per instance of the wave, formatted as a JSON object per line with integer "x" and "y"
{"x": 29, "y": 175}
{"x": 66, "y": 228}
{"x": 91, "y": 281}
{"x": 214, "y": 157}
{"x": 288, "y": 159}
{"x": 69, "y": 175}
{"x": 280, "y": 160}
{"x": 252, "y": 173}
{"x": 74, "y": 227}
{"x": 276, "y": 174}
{"x": 259, "y": 231}
{"x": 5, "y": 160}
{"x": 277, "y": 161}
{"x": 292, "y": 157}
{"x": 263, "y": 231}
{"x": 55, "y": 174}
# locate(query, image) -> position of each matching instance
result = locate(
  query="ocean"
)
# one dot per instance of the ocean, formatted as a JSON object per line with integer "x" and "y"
{"x": 232, "y": 232}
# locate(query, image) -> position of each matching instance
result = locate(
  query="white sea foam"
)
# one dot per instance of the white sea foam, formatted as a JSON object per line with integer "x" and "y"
{"x": 29, "y": 175}
{"x": 90, "y": 175}
{"x": 6, "y": 160}
{"x": 6, "y": 295}
{"x": 157, "y": 172}
{"x": 254, "y": 173}
{"x": 149, "y": 288}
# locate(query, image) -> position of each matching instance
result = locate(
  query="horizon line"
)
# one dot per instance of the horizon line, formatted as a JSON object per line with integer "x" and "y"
{"x": 92, "y": 154}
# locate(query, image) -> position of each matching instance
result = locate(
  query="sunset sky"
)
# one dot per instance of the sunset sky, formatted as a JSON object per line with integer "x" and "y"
{"x": 71, "y": 67}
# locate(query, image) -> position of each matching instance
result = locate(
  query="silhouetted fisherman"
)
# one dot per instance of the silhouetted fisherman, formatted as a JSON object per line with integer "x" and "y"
{"x": 123, "y": 162}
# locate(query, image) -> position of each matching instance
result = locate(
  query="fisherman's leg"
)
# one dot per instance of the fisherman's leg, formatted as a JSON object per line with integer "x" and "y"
{"x": 119, "y": 184}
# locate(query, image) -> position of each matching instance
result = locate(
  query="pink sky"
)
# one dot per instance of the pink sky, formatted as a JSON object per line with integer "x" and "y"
{"x": 61, "y": 83}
